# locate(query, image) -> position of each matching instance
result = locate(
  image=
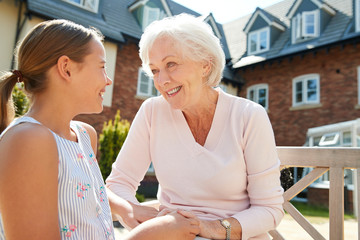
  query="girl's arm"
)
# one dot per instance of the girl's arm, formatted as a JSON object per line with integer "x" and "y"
{"x": 129, "y": 214}
{"x": 29, "y": 183}
{"x": 175, "y": 226}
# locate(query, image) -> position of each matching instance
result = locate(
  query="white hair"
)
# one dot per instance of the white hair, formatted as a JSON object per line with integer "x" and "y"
{"x": 193, "y": 36}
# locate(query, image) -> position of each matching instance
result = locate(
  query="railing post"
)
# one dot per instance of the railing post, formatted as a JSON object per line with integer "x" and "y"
{"x": 336, "y": 203}
{"x": 357, "y": 185}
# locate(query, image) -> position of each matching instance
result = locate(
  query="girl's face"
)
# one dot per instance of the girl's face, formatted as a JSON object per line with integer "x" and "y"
{"x": 179, "y": 80}
{"x": 92, "y": 79}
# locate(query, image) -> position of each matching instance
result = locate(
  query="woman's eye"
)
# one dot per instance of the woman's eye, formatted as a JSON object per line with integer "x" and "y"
{"x": 171, "y": 64}
{"x": 154, "y": 71}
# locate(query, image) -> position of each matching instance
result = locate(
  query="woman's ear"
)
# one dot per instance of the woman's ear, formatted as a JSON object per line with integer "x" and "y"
{"x": 207, "y": 68}
{"x": 64, "y": 67}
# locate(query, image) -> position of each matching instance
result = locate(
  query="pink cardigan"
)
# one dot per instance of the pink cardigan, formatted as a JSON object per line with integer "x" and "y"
{"x": 235, "y": 174}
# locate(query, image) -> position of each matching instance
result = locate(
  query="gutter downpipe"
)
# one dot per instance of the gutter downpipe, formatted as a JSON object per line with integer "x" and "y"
{"x": 19, "y": 27}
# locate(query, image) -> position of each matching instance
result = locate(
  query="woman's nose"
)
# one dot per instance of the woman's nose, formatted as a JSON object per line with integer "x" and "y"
{"x": 163, "y": 78}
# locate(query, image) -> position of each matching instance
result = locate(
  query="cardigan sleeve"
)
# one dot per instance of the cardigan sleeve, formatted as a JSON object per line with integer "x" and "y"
{"x": 134, "y": 158}
{"x": 263, "y": 176}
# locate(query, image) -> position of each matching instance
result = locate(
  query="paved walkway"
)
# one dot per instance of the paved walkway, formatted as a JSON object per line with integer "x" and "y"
{"x": 291, "y": 230}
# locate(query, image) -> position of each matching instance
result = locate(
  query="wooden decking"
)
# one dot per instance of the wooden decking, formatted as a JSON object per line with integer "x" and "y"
{"x": 334, "y": 160}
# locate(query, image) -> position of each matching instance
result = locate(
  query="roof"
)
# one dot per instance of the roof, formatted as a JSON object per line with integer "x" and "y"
{"x": 337, "y": 30}
{"x": 268, "y": 17}
{"x": 114, "y": 19}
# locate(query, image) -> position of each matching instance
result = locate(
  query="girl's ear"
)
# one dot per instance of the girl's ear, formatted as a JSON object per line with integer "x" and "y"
{"x": 64, "y": 67}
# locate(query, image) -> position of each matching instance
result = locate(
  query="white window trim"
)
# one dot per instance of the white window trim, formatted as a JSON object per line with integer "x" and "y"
{"x": 298, "y": 31}
{"x": 267, "y": 29}
{"x": 324, "y": 142}
{"x": 256, "y": 88}
{"x": 316, "y": 24}
{"x": 304, "y": 79}
{"x": 150, "y": 85}
{"x": 357, "y": 15}
{"x": 81, "y": 5}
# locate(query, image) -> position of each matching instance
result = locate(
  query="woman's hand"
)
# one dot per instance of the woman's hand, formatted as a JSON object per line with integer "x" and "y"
{"x": 213, "y": 229}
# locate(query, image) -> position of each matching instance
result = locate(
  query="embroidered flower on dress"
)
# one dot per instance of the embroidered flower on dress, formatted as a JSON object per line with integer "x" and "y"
{"x": 108, "y": 234}
{"x": 92, "y": 158}
{"x": 68, "y": 230}
{"x": 102, "y": 193}
{"x": 81, "y": 188}
{"x": 80, "y": 156}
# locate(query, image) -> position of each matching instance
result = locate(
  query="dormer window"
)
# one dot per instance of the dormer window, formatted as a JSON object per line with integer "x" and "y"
{"x": 90, "y": 5}
{"x": 259, "y": 41}
{"x": 150, "y": 15}
{"x": 146, "y": 11}
{"x": 305, "y": 25}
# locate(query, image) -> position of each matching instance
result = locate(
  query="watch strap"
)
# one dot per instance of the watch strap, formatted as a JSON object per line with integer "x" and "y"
{"x": 227, "y": 227}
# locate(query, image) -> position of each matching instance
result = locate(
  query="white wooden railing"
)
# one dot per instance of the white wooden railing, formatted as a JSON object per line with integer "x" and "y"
{"x": 334, "y": 160}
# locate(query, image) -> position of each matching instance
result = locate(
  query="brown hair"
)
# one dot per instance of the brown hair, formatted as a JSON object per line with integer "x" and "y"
{"x": 37, "y": 53}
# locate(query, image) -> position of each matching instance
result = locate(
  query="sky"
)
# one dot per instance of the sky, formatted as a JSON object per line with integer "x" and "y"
{"x": 226, "y": 10}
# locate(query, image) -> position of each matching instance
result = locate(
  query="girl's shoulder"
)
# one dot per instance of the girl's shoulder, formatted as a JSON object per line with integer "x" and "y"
{"x": 27, "y": 146}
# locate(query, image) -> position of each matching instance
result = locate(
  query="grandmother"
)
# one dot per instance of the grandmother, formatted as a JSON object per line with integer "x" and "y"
{"x": 214, "y": 154}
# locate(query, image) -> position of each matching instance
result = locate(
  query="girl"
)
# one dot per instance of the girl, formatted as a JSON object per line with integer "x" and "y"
{"x": 50, "y": 182}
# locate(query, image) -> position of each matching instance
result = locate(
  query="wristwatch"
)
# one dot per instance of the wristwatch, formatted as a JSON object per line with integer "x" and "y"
{"x": 226, "y": 224}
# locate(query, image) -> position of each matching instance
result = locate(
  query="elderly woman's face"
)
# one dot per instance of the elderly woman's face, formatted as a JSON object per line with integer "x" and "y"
{"x": 178, "y": 79}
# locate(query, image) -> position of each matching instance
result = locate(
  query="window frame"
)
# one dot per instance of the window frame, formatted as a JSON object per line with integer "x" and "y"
{"x": 299, "y": 26}
{"x": 304, "y": 79}
{"x": 305, "y": 24}
{"x": 82, "y": 5}
{"x": 258, "y": 41}
{"x": 150, "y": 84}
{"x": 256, "y": 88}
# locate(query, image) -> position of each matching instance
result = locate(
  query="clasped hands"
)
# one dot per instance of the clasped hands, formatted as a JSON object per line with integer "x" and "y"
{"x": 177, "y": 223}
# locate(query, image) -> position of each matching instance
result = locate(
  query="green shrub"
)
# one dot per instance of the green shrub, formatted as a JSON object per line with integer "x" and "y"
{"x": 20, "y": 100}
{"x": 110, "y": 142}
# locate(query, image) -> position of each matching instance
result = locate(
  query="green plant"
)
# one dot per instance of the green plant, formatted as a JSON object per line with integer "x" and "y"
{"x": 20, "y": 100}
{"x": 110, "y": 142}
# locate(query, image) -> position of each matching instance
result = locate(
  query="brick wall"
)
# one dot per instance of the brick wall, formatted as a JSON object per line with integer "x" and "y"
{"x": 337, "y": 68}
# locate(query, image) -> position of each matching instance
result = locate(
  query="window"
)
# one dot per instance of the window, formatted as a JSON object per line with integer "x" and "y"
{"x": 259, "y": 41}
{"x": 151, "y": 14}
{"x": 306, "y": 90}
{"x": 145, "y": 85}
{"x": 330, "y": 139}
{"x": 305, "y": 25}
{"x": 259, "y": 94}
{"x": 90, "y": 5}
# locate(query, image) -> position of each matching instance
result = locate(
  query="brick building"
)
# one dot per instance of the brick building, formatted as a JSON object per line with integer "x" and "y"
{"x": 300, "y": 59}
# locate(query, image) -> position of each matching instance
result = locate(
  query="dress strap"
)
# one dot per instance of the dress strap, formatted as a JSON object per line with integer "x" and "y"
{"x": 18, "y": 121}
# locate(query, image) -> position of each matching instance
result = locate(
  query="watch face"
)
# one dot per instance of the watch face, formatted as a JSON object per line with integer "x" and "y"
{"x": 226, "y": 223}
